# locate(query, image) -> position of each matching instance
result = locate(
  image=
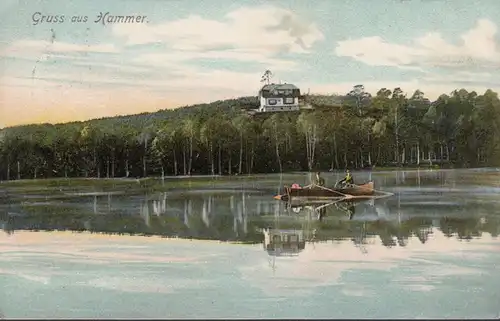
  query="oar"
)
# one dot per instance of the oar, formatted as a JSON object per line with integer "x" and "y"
{"x": 328, "y": 204}
{"x": 375, "y": 190}
{"x": 346, "y": 196}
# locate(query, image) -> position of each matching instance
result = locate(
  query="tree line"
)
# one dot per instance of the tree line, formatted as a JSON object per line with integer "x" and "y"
{"x": 354, "y": 131}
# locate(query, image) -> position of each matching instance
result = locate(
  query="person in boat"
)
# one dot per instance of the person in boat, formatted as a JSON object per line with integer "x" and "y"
{"x": 347, "y": 179}
{"x": 320, "y": 181}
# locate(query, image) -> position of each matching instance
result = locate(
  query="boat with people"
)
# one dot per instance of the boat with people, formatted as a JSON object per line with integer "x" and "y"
{"x": 316, "y": 192}
{"x": 343, "y": 190}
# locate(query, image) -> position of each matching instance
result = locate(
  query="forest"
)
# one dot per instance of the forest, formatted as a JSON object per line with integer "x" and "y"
{"x": 355, "y": 130}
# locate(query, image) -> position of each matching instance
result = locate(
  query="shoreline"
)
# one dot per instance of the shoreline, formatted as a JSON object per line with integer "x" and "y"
{"x": 215, "y": 178}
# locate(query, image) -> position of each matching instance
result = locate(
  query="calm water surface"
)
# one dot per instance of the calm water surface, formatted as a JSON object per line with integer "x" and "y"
{"x": 152, "y": 249}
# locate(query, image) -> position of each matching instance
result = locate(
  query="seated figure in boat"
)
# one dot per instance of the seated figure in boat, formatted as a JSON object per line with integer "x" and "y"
{"x": 320, "y": 181}
{"x": 347, "y": 180}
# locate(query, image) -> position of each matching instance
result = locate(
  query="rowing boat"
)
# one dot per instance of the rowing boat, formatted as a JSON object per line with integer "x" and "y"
{"x": 316, "y": 192}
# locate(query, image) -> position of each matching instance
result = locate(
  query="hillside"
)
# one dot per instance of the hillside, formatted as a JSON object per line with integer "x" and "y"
{"x": 352, "y": 131}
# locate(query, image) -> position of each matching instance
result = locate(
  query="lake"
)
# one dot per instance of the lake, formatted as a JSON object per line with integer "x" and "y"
{"x": 224, "y": 248}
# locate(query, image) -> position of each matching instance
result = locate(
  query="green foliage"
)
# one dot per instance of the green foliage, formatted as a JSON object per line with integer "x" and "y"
{"x": 355, "y": 130}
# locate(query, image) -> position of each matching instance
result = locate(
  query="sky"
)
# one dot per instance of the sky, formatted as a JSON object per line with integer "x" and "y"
{"x": 184, "y": 52}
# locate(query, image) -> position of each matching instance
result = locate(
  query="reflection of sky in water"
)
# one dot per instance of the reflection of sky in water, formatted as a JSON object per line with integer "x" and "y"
{"x": 84, "y": 275}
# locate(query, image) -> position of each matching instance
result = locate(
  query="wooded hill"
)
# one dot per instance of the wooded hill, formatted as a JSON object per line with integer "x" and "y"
{"x": 461, "y": 129}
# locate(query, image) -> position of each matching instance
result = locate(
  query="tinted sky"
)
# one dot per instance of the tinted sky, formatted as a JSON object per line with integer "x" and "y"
{"x": 200, "y": 51}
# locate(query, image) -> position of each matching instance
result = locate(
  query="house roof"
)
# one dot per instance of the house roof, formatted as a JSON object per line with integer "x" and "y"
{"x": 272, "y": 87}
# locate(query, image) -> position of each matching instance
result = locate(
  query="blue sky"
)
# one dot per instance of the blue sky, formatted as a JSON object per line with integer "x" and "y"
{"x": 199, "y": 51}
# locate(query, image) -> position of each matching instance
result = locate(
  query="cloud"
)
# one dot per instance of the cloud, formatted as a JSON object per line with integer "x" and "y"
{"x": 479, "y": 48}
{"x": 173, "y": 58}
{"x": 256, "y": 35}
{"x": 261, "y": 29}
{"x": 28, "y": 48}
{"x": 117, "y": 67}
{"x": 180, "y": 77}
{"x": 467, "y": 79}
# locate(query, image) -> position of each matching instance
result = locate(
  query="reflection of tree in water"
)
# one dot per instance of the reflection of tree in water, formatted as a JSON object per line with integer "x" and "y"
{"x": 5, "y": 223}
{"x": 464, "y": 229}
{"x": 491, "y": 225}
{"x": 399, "y": 234}
{"x": 387, "y": 240}
{"x": 402, "y": 241}
{"x": 225, "y": 218}
{"x": 393, "y": 233}
{"x": 149, "y": 218}
{"x": 386, "y": 232}
{"x": 360, "y": 239}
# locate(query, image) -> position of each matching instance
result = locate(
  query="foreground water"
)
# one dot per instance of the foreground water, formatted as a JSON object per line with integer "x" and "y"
{"x": 429, "y": 251}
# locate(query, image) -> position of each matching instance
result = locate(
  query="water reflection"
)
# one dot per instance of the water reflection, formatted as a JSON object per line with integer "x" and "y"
{"x": 246, "y": 215}
{"x": 283, "y": 242}
{"x": 394, "y": 223}
{"x": 424, "y": 252}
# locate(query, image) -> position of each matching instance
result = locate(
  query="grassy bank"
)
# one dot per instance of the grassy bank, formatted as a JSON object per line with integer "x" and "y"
{"x": 176, "y": 181}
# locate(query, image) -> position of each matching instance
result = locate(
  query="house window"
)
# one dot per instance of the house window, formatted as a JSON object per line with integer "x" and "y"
{"x": 285, "y": 92}
{"x": 289, "y": 100}
{"x": 272, "y": 101}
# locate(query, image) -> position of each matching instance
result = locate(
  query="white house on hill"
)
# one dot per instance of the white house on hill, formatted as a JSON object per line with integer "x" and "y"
{"x": 279, "y": 97}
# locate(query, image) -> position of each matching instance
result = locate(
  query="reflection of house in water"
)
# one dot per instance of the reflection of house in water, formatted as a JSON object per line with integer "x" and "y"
{"x": 283, "y": 242}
